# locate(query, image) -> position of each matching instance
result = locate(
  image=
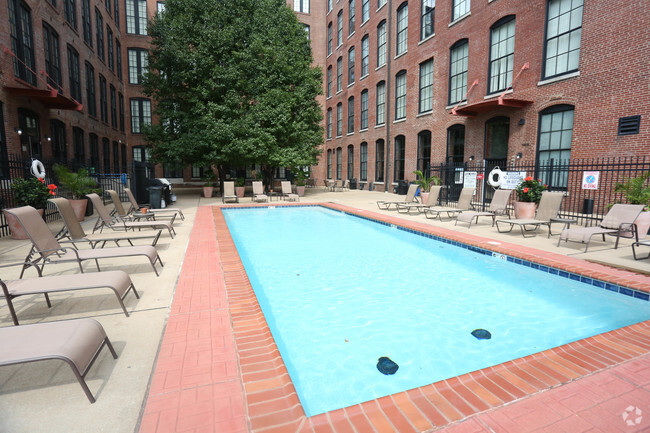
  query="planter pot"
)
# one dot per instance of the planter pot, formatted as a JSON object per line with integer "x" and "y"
{"x": 525, "y": 209}
{"x": 240, "y": 190}
{"x": 207, "y": 191}
{"x": 79, "y": 208}
{"x": 642, "y": 224}
{"x": 17, "y": 231}
{"x": 424, "y": 196}
{"x": 300, "y": 190}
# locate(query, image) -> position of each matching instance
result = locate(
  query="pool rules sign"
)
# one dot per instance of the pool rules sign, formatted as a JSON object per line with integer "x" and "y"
{"x": 590, "y": 179}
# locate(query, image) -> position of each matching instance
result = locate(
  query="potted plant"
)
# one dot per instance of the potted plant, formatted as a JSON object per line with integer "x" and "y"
{"x": 29, "y": 192}
{"x": 300, "y": 177}
{"x": 637, "y": 191}
{"x": 75, "y": 186}
{"x": 425, "y": 183}
{"x": 529, "y": 193}
{"x": 240, "y": 187}
{"x": 209, "y": 178}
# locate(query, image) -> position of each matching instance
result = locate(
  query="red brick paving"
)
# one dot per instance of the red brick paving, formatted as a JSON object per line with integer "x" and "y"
{"x": 219, "y": 370}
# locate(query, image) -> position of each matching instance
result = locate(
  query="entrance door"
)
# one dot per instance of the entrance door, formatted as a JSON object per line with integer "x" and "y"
{"x": 30, "y": 138}
{"x": 497, "y": 133}
{"x": 453, "y": 177}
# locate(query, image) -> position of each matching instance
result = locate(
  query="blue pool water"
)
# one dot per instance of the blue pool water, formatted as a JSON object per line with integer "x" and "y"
{"x": 339, "y": 292}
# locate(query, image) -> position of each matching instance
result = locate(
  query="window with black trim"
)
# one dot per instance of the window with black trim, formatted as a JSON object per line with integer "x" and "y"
{"x": 339, "y": 119}
{"x": 351, "y": 115}
{"x": 339, "y": 74}
{"x": 329, "y": 163}
{"x": 502, "y": 53}
{"x": 400, "y": 144}
{"x": 120, "y": 106}
{"x": 329, "y": 81}
{"x": 351, "y": 65}
{"x": 59, "y": 143}
{"x": 78, "y": 145}
{"x": 103, "y": 101}
{"x": 91, "y": 101}
{"x": 426, "y": 87}
{"x": 123, "y": 155}
{"x": 381, "y": 103}
{"x": 22, "y": 41}
{"x": 363, "y": 161}
{"x": 402, "y": 28}
{"x": 301, "y": 6}
{"x": 136, "y": 17}
{"x": 93, "y": 144}
{"x": 52, "y": 56}
{"x": 138, "y": 62}
{"x": 118, "y": 59}
{"x": 381, "y": 44}
{"x": 70, "y": 12}
{"x": 365, "y": 10}
{"x": 329, "y": 123}
{"x": 113, "y": 96}
{"x": 458, "y": 61}
{"x": 109, "y": 43}
{"x": 351, "y": 16}
{"x": 379, "y": 160}
{"x": 330, "y": 5}
{"x": 329, "y": 38}
{"x": 86, "y": 22}
{"x": 563, "y": 36}
{"x": 74, "y": 76}
{"x": 554, "y": 144}
{"x": 140, "y": 114}
{"x": 106, "y": 153}
{"x": 339, "y": 28}
{"x": 424, "y": 152}
{"x": 400, "y": 95}
{"x": 116, "y": 15}
{"x": 99, "y": 29}
{"x": 339, "y": 163}
{"x": 116, "y": 157}
{"x": 350, "y": 161}
{"x": 459, "y": 8}
{"x": 364, "y": 110}
{"x": 428, "y": 12}
{"x": 365, "y": 56}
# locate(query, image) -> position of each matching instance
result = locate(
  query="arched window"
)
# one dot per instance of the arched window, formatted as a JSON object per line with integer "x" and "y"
{"x": 402, "y": 28}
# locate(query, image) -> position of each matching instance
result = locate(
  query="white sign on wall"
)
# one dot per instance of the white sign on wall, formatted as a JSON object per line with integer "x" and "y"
{"x": 590, "y": 179}
{"x": 512, "y": 178}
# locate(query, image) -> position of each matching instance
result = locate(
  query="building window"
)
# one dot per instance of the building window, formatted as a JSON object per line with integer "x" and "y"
{"x": 330, "y": 5}
{"x": 52, "y": 56}
{"x": 103, "y": 101}
{"x": 502, "y": 52}
{"x": 563, "y": 35}
{"x": 458, "y": 71}
{"x": 339, "y": 162}
{"x": 118, "y": 59}
{"x": 160, "y": 7}
{"x": 339, "y": 119}
{"x": 424, "y": 152}
{"x": 99, "y": 28}
{"x": 106, "y": 153}
{"x": 339, "y": 74}
{"x": 400, "y": 95}
{"x": 113, "y": 96}
{"x": 301, "y": 6}
{"x": 364, "y": 110}
{"x": 426, "y": 20}
{"x": 456, "y": 144}
{"x": 459, "y": 8}
{"x": 22, "y": 42}
{"x": 381, "y": 103}
{"x": 140, "y": 114}
{"x": 70, "y": 12}
{"x": 120, "y": 101}
{"x": 351, "y": 15}
{"x": 365, "y": 55}
{"x": 116, "y": 15}
{"x": 109, "y": 42}
{"x": 136, "y": 17}
{"x": 74, "y": 75}
{"x": 138, "y": 62}
{"x": 365, "y": 10}
{"x": 399, "y": 158}
{"x": 379, "y": 161}
{"x": 339, "y": 28}
{"x": 141, "y": 153}
{"x": 116, "y": 157}
{"x": 329, "y": 123}
{"x": 381, "y": 44}
{"x": 307, "y": 31}
{"x": 363, "y": 161}
{"x": 350, "y": 161}
{"x": 351, "y": 66}
{"x": 555, "y": 135}
{"x": 90, "y": 90}
{"x": 329, "y": 39}
{"x": 93, "y": 143}
{"x": 402, "y": 28}
{"x": 329, "y": 163}
{"x": 380, "y": 3}
{"x": 86, "y": 22}
{"x": 78, "y": 145}
{"x": 59, "y": 144}
{"x": 350, "y": 114}
{"x": 329, "y": 81}
{"x": 123, "y": 154}
{"x": 426, "y": 86}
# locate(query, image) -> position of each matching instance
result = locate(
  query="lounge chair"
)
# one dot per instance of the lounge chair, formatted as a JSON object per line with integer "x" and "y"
{"x": 410, "y": 198}
{"x": 135, "y": 207}
{"x": 619, "y": 220}
{"x": 345, "y": 185}
{"x": 229, "y": 192}
{"x": 117, "y": 281}
{"x": 77, "y": 342}
{"x": 464, "y": 204}
{"x": 548, "y": 208}
{"x": 432, "y": 200}
{"x": 118, "y": 208}
{"x": 105, "y": 220}
{"x": 498, "y": 206}
{"x": 45, "y": 245}
{"x": 638, "y": 244}
{"x": 286, "y": 191}
{"x": 258, "y": 192}
{"x": 73, "y": 230}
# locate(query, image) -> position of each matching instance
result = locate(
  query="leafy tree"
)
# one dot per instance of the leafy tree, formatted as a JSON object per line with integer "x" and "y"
{"x": 235, "y": 86}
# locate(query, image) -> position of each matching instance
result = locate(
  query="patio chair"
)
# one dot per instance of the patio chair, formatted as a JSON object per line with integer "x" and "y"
{"x": 548, "y": 209}
{"x": 117, "y": 281}
{"x": 432, "y": 200}
{"x": 619, "y": 220}
{"x": 258, "y": 192}
{"x": 73, "y": 230}
{"x": 498, "y": 206}
{"x": 638, "y": 244}
{"x": 229, "y": 192}
{"x": 77, "y": 342}
{"x": 287, "y": 194}
{"x": 410, "y": 198}
{"x": 49, "y": 250}
{"x": 118, "y": 209}
{"x": 135, "y": 207}
{"x": 464, "y": 204}
{"x": 105, "y": 220}
{"x": 345, "y": 185}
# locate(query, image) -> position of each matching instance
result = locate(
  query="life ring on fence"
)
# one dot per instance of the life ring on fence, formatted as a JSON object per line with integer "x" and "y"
{"x": 38, "y": 169}
{"x": 496, "y": 171}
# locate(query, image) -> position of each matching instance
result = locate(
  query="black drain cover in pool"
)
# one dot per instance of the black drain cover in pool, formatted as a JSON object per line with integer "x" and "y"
{"x": 386, "y": 365}
{"x": 482, "y": 334}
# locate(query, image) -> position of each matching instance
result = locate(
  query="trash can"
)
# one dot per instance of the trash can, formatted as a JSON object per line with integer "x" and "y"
{"x": 155, "y": 196}
{"x": 402, "y": 187}
{"x": 588, "y": 206}
{"x": 353, "y": 183}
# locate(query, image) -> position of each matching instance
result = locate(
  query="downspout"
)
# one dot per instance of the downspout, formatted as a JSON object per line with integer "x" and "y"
{"x": 389, "y": 44}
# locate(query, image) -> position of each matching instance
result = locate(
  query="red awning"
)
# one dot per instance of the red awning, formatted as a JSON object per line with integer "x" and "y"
{"x": 490, "y": 105}
{"x": 49, "y": 98}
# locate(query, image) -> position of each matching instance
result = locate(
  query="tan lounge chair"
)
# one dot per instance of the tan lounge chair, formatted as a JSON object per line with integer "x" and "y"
{"x": 135, "y": 207}
{"x": 498, "y": 206}
{"x": 229, "y": 192}
{"x": 286, "y": 191}
{"x": 118, "y": 208}
{"x": 258, "y": 192}
{"x": 73, "y": 230}
{"x": 548, "y": 208}
{"x": 77, "y": 342}
{"x": 619, "y": 220}
{"x": 432, "y": 200}
{"x": 410, "y": 198}
{"x": 105, "y": 220}
{"x": 49, "y": 250}
{"x": 464, "y": 204}
{"x": 638, "y": 244}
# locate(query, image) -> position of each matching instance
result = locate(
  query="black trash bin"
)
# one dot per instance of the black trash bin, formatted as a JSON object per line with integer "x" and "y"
{"x": 353, "y": 183}
{"x": 402, "y": 187}
{"x": 588, "y": 206}
{"x": 155, "y": 196}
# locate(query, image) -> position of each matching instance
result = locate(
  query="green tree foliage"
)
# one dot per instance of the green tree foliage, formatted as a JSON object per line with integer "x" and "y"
{"x": 235, "y": 87}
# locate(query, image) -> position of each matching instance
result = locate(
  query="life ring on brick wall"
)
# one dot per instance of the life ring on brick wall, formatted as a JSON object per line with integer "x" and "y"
{"x": 38, "y": 169}
{"x": 495, "y": 178}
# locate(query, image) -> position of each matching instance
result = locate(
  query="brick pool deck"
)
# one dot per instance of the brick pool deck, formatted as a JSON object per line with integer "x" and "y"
{"x": 219, "y": 370}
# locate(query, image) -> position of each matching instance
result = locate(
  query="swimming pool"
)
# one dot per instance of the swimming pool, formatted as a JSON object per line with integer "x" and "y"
{"x": 336, "y": 304}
